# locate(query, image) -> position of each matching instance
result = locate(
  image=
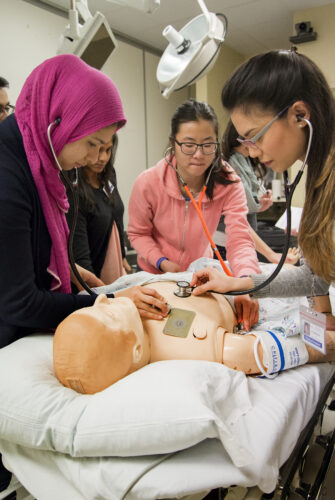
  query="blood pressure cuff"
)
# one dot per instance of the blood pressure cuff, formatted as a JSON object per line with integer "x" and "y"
{"x": 279, "y": 352}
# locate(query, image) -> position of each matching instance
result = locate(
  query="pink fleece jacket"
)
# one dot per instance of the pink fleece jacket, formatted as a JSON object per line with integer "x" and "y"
{"x": 163, "y": 224}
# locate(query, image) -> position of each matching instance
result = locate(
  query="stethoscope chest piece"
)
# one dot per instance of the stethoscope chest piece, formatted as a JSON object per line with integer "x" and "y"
{"x": 183, "y": 290}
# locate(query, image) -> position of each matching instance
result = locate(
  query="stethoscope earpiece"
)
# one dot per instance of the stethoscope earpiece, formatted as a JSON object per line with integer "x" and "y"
{"x": 56, "y": 122}
{"x": 302, "y": 119}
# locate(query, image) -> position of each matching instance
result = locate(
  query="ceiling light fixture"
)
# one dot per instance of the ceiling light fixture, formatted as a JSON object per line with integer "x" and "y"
{"x": 192, "y": 51}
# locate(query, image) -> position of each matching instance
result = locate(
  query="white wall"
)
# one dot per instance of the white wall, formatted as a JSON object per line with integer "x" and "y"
{"x": 209, "y": 88}
{"x": 321, "y": 51}
{"x": 125, "y": 68}
{"x": 159, "y": 110}
{"x": 30, "y": 34}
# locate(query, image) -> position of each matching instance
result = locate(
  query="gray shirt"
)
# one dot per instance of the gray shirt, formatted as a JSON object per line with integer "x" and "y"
{"x": 297, "y": 282}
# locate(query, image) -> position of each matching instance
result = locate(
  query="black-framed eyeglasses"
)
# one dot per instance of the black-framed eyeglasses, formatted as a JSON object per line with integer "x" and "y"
{"x": 251, "y": 143}
{"x": 8, "y": 109}
{"x": 190, "y": 148}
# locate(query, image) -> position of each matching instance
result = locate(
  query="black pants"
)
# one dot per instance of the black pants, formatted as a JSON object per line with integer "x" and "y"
{"x": 5, "y": 476}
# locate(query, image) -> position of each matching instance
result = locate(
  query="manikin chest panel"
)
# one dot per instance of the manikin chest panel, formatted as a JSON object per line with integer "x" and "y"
{"x": 194, "y": 328}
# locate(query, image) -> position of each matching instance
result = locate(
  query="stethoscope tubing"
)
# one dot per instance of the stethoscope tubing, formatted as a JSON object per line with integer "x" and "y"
{"x": 289, "y": 190}
{"x": 75, "y": 210}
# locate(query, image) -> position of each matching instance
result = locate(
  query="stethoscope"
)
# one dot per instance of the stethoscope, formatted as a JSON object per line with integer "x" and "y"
{"x": 75, "y": 209}
{"x": 197, "y": 206}
{"x": 289, "y": 190}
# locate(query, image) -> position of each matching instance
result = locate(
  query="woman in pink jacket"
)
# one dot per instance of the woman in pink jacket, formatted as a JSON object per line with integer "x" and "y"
{"x": 164, "y": 227}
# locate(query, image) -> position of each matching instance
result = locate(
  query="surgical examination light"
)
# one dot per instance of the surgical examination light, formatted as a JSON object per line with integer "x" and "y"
{"x": 192, "y": 51}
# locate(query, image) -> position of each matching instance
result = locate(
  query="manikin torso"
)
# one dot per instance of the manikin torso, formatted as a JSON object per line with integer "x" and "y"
{"x": 204, "y": 329}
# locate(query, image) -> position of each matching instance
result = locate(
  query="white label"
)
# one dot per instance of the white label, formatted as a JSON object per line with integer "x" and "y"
{"x": 313, "y": 328}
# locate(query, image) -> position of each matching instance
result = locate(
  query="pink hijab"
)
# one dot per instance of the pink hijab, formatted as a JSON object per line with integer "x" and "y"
{"x": 85, "y": 100}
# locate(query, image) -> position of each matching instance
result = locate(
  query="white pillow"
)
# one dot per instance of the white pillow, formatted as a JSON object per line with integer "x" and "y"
{"x": 164, "y": 407}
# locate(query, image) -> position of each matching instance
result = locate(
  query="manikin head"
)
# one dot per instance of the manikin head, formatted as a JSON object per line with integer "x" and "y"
{"x": 98, "y": 345}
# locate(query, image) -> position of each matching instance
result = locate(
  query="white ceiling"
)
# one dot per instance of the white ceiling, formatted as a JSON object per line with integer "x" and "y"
{"x": 253, "y": 25}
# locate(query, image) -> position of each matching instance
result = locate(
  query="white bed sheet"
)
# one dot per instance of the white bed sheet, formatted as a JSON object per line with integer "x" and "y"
{"x": 280, "y": 410}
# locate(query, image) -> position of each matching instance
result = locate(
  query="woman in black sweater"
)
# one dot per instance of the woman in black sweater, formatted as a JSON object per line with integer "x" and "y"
{"x": 98, "y": 243}
{"x": 76, "y": 108}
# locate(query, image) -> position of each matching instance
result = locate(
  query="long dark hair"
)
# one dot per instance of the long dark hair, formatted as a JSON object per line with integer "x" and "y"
{"x": 106, "y": 178}
{"x": 193, "y": 111}
{"x": 229, "y": 142}
{"x": 277, "y": 79}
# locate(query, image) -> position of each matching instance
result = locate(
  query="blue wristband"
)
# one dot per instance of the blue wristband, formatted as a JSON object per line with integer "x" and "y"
{"x": 158, "y": 263}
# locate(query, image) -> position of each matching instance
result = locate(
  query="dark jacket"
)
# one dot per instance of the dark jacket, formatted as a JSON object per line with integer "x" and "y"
{"x": 93, "y": 228}
{"x": 26, "y": 302}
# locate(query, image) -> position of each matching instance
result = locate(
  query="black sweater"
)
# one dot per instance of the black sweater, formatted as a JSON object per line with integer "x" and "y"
{"x": 93, "y": 228}
{"x": 26, "y": 302}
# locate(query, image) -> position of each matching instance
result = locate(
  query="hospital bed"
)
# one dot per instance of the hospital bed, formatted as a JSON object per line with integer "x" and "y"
{"x": 173, "y": 429}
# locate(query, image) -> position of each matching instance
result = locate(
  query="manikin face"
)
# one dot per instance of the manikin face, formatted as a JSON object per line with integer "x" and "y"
{"x": 3, "y": 103}
{"x": 121, "y": 316}
{"x": 86, "y": 150}
{"x": 194, "y": 166}
{"x": 281, "y": 145}
{"x": 104, "y": 154}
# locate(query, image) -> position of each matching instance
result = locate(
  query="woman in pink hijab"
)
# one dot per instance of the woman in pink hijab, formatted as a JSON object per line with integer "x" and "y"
{"x": 85, "y": 109}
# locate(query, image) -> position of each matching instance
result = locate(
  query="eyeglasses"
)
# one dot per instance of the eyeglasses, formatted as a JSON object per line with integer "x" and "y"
{"x": 8, "y": 109}
{"x": 251, "y": 143}
{"x": 190, "y": 148}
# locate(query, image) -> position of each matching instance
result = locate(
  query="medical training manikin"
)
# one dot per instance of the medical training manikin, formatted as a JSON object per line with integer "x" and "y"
{"x": 98, "y": 345}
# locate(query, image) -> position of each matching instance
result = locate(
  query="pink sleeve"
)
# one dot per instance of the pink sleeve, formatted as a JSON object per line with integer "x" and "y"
{"x": 241, "y": 252}
{"x": 140, "y": 227}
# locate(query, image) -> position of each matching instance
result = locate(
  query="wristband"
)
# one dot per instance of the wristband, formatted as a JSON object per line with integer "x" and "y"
{"x": 158, "y": 263}
{"x": 110, "y": 295}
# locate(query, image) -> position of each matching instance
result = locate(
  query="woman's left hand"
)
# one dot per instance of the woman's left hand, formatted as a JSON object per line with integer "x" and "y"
{"x": 247, "y": 310}
{"x": 265, "y": 201}
{"x": 149, "y": 302}
{"x": 90, "y": 278}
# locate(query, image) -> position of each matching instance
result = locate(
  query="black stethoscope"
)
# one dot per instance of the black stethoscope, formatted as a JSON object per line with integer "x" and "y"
{"x": 75, "y": 209}
{"x": 289, "y": 190}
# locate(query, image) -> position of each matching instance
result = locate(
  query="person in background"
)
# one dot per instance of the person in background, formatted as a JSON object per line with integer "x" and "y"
{"x": 5, "y": 108}
{"x": 237, "y": 155}
{"x": 272, "y": 98}
{"x": 164, "y": 226}
{"x": 98, "y": 242}
{"x": 65, "y": 112}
